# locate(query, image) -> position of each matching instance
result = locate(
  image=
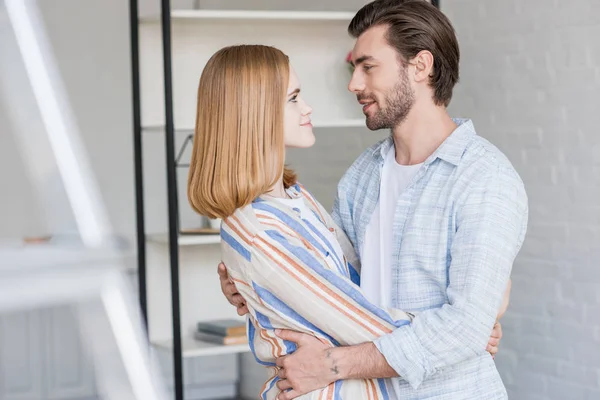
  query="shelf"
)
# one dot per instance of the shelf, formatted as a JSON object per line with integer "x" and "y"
{"x": 185, "y": 240}
{"x": 336, "y": 123}
{"x": 195, "y": 348}
{"x": 257, "y": 15}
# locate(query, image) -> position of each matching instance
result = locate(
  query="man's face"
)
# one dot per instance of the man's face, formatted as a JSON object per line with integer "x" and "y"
{"x": 380, "y": 81}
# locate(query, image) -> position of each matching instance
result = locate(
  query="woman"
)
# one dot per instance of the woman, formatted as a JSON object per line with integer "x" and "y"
{"x": 294, "y": 267}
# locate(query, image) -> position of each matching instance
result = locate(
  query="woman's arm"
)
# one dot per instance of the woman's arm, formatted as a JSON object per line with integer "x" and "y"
{"x": 297, "y": 282}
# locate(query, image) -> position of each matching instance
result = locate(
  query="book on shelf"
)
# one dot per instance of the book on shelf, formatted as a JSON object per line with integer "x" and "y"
{"x": 223, "y": 327}
{"x": 220, "y": 339}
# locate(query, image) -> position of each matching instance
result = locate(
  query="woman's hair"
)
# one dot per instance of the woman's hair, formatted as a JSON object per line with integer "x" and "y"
{"x": 238, "y": 151}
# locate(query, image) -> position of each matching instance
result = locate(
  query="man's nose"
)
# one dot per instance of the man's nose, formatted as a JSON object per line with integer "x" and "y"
{"x": 356, "y": 84}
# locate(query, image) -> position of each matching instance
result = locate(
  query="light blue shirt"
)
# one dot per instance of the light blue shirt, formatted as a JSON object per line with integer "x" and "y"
{"x": 457, "y": 230}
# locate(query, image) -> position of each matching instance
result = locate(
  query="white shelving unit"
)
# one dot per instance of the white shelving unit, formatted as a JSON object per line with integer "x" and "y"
{"x": 340, "y": 123}
{"x": 179, "y": 15}
{"x": 305, "y": 36}
{"x": 185, "y": 240}
{"x": 196, "y": 348}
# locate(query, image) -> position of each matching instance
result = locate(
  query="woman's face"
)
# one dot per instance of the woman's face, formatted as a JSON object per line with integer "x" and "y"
{"x": 298, "y": 130}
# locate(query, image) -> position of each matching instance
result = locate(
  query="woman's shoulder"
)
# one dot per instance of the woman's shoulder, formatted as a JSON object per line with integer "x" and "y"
{"x": 243, "y": 222}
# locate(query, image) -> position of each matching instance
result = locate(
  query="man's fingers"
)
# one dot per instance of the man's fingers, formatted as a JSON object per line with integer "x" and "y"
{"x": 281, "y": 373}
{"x": 237, "y": 300}
{"x": 292, "y": 336}
{"x": 243, "y": 310}
{"x": 292, "y": 394}
{"x": 284, "y": 384}
{"x": 222, "y": 272}
{"x": 494, "y": 342}
{"x": 279, "y": 361}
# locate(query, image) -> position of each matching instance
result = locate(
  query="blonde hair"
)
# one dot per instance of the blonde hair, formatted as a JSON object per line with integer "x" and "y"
{"x": 238, "y": 141}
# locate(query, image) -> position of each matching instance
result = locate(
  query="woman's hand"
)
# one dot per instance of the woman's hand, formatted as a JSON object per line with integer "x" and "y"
{"x": 494, "y": 341}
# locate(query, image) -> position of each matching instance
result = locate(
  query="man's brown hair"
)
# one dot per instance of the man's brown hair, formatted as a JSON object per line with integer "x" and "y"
{"x": 413, "y": 26}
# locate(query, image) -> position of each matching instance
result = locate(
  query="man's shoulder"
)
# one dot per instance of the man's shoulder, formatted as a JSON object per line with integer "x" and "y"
{"x": 483, "y": 158}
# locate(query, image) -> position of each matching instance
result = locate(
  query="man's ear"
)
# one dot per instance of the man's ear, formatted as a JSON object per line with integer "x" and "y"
{"x": 423, "y": 63}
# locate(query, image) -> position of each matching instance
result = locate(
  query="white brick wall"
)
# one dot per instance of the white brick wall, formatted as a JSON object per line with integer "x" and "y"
{"x": 530, "y": 80}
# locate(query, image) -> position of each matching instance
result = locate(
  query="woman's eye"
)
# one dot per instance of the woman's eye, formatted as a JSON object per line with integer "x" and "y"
{"x": 294, "y": 99}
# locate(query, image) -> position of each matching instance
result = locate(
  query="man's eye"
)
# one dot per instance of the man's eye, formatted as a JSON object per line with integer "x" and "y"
{"x": 367, "y": 67}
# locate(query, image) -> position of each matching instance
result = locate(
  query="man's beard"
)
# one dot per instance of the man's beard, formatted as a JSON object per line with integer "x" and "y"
{"x": 398, "y": 103}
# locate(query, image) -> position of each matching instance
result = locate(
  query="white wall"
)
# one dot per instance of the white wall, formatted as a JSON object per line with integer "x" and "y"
{"x": 530, "y": 80}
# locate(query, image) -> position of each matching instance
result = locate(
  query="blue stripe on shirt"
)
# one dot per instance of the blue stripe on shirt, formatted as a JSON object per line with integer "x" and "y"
{"x": 265, "y": 322}
{"x": 291, "y": 222}
{"x": 237, "y": 246}
{"x": 339, "y": 282}
{"x": 337, "y": 386}
{"x": 284, "y": 309}
{"x": 354, "y": 275}
{"x": 383, "y": 389}
{"x": 275, "y": 379}
{"x": 332, "y": 252}
{"x": 251, "y": 333}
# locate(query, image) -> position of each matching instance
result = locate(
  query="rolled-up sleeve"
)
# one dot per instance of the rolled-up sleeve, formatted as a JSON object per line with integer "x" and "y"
{"x": 490, "y": 229}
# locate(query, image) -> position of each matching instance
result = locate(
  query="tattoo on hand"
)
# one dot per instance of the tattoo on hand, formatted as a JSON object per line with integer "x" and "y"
{"x": 335, "y": 368}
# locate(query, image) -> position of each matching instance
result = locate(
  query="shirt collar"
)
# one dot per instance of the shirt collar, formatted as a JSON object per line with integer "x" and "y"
{"x": 451, "y": 150}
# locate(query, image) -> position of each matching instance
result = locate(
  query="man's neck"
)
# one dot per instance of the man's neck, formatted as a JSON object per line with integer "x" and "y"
{"x": 421, "y": 133}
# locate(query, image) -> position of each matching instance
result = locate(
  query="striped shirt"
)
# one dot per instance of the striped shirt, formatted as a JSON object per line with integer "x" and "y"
{"x": 457, "y": 229}
{"x": 289, "y": 272}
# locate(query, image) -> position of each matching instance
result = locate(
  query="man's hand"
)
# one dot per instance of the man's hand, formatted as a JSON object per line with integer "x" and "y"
{"x": 309, "y": 368}
{"x": 230, "y": 291}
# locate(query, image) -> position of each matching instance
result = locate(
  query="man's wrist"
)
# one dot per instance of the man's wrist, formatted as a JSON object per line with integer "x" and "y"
{"x": 363, "y": 361}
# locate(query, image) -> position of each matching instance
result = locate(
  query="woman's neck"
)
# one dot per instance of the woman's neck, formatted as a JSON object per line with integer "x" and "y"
{"x": 278, "y": 190}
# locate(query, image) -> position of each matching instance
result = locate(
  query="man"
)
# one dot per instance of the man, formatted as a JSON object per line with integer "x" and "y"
{"x": 436, "y": 213}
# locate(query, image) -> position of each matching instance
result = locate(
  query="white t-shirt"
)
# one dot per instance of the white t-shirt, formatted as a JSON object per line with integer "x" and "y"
{"x": 376, "y": 260}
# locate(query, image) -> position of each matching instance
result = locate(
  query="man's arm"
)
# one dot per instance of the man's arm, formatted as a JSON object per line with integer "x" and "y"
{"x": 490, "y": 230}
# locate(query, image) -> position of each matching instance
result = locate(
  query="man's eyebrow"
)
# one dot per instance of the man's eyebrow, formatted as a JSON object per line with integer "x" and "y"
{"x": 295, "y": 91}
{"x": 361, "y": 60}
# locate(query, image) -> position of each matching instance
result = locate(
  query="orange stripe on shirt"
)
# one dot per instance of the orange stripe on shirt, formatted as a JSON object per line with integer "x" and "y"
{"x": 242, "y": 226}
{"x": 312, "y": 201}
{"x": 367, "y": 388}
{"x": 236, "y": 230}
{"x": 262, "y": 334}
{"x": 264, "y": 387}
{"x": 294, "y": 234}
{"x": 323, "y": 393}
{"x": 267, "y": 220}
{"x": 373, "y": 388}
{"x": 242, "y": 282}
{"x": 331, "y": 391}
{"x": 327, "y": 290}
